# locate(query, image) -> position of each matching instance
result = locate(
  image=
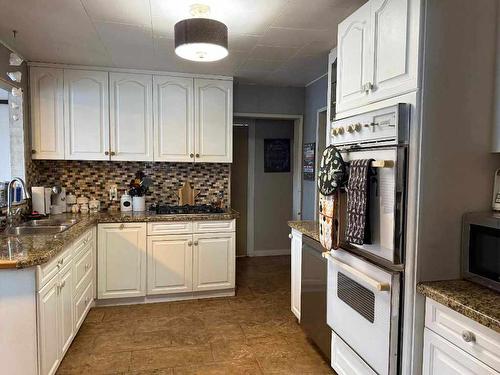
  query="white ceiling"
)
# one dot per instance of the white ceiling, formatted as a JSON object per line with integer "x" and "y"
{"x": 279, "y": 42}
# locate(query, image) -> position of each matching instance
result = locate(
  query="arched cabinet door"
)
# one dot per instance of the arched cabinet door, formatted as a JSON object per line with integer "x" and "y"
{"x": 47, "y": 130}
{"x": 86, "y": 115}
{"x": 213, "y": 120}
{"x": 131, "y": 116}
{"x": 353, "y": 72}
{"x": 173, "y": 119}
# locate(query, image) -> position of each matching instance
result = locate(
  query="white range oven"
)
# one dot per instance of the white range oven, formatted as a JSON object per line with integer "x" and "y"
{"x": 364, "y": 281}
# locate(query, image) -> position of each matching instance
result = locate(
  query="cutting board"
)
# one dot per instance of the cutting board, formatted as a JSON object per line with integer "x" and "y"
{"x": 187, "y": 194}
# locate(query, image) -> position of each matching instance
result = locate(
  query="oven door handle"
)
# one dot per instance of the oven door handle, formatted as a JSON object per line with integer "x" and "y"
{"x": 375, "y": 284}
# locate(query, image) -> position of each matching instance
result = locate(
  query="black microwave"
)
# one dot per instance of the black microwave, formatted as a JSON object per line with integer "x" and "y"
{"x": 481, "y": 248}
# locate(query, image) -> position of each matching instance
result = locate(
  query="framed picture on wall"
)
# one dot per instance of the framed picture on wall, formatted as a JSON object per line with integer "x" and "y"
{"x": 276, "y": 155}
{"x": 309, "y": 161}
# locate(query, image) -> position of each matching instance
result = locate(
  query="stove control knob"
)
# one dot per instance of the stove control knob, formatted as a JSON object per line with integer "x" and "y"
{"x": 350, "y": 128}
{"x": 340, "y": 130}
{"x": 357, "y": 127}
{"x": 335, "y": 132}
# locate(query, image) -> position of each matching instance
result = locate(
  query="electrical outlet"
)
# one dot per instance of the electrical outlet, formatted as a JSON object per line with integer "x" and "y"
{"x": 113, "y": 192}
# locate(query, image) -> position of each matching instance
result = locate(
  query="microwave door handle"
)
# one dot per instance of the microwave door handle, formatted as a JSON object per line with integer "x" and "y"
{"x": 375, "y": 284}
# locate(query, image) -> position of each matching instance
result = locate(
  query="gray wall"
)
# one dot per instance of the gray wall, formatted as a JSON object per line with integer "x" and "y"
{"x": 273, "y": 192}
{"x": 315, "y": 98}
{"x": 456, "y": 164}
{"x": 268, "y": 99}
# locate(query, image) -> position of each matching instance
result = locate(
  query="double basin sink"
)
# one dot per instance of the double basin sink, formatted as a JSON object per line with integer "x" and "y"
{"x": 41, "y": 227}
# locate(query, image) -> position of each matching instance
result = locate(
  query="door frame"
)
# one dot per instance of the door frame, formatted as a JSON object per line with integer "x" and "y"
{"x": 316, "y": 153}
{"x": 298, "y": 121}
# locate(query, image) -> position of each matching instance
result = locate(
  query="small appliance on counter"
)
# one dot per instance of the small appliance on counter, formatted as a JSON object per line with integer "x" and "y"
{"x": 481, "y": 248}
{"x": 47, "y": 200}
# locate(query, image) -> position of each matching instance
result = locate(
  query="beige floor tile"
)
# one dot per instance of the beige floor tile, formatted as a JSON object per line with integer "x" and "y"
{"x": 88, "y": 363}
{"x": 170, "y": 357}
{"x": 243, "y": 367}
{"x": 108, "y": 343}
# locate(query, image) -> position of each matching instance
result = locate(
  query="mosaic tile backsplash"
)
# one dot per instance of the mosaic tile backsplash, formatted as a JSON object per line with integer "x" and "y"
{"x": 94, "y": 178}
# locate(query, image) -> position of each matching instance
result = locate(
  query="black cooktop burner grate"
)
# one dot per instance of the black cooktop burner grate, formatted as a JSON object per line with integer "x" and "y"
{"x": 186, "y": 209}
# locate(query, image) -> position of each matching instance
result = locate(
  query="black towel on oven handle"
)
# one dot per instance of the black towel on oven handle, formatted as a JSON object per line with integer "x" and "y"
{"x": 358, "y": 202}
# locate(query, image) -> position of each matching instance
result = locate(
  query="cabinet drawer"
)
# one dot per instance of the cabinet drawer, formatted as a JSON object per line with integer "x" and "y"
{"x": 442, "y": 357}
{"x": 174, "y": 227}
{"x": 83, "y": 267}
{"x": 82, "y": 242}
{"x": 345, "y": 361}
{"x": 214, "y": 226}
{"x": 46, "y": 271}
{"x": 82, "y": 305}
{"x": 470, "y": 336}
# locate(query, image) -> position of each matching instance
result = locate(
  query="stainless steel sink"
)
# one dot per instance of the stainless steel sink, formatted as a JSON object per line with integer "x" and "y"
{"x": 41, "y": 227}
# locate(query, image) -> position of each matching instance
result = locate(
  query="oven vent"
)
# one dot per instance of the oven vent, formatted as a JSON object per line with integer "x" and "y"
{"x": 355, "y": 295}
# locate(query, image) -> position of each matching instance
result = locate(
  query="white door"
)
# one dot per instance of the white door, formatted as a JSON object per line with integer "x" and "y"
{"x": 173, "y": 110}
{"x": 47, "y": 119}
{"x": 296, "y": 270}
{"x": 121, "y": 260}
{"x": 170, "y": 264}
{"x": 353, "y": 70}
{"x": 213, "y": 261}
{"x": 49, "y": 327}
{"x": 131, "y": 116}
{"x": 213, "y": 120}
{"x": 443, "y": 358}
{"x": 66, "y": 307}
{"x": 394, "y": 49}
{"x": 86, "y": 115}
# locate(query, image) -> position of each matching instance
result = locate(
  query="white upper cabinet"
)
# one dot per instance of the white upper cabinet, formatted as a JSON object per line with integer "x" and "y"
{"x": 353, "y": 53}
{"x": 213, "y": 120}
{"x": 86, "y": 115}
{"x": 378, "y": 53}
{"x": 131, "y": 124}
{"x": 395, "y": 47}
{"x": 173, "y": 119}
{"x": 47, "y": 119}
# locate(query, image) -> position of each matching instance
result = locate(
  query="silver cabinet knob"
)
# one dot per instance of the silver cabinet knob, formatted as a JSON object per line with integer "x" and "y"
{"x": 468, "y": 336}
{"x": 190, "y": 243}
{"x": 122, "y": 226}
{"x": 195, "y": 243}
{"x": 197, "y": 155}
{"x": 191, "y": 155}
{"x": 290, "y": 236}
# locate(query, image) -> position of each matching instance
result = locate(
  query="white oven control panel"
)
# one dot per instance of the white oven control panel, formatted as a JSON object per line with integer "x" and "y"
{"x": 388, "y": 125}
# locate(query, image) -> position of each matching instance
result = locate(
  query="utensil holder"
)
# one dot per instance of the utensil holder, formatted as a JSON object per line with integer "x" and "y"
{"x": 139, "y": 204}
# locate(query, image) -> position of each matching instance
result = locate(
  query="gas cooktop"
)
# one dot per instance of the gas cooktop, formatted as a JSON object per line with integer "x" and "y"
{"x": 186, "y": 209}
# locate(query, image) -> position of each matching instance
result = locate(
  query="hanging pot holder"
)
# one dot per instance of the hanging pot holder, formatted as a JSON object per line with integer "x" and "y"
{"x": 331, "y": 177}
{"x": 332, "y": 171}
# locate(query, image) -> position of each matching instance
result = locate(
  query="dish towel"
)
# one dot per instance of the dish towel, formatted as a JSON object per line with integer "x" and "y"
{"x": 328, "y": 223}
{"x": 358, "y": 194}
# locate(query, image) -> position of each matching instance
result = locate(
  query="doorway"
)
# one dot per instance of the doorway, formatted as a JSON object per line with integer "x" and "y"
{"x": 321, "y": 129}
{"x": 266, "y": 199}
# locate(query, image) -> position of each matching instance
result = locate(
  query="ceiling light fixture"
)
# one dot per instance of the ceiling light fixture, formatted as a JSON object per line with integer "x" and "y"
{"x": 200, "y": 38}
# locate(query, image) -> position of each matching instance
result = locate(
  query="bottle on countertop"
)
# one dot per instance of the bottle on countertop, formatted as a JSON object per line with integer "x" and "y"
{"x": 126, "y": 203}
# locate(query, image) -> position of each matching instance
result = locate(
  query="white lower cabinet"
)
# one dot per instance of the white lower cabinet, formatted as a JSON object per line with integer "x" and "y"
{"x": 296, "y": 270}
{"x": 213, "y": 261}
{"x": 170, "y": 264}
{"x": 57, "y": 301}
{"x": 455, "y": 344}
{"x": 443, "y": 358}
{"x": 49, "y": 327}
{"x": 66, "y": 307}
{"x": 121, "y": 260}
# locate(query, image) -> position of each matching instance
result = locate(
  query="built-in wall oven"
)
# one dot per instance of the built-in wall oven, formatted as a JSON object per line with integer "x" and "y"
{"x": 364, "y": 281}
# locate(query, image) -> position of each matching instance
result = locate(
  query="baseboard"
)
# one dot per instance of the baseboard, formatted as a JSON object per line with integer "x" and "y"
{"x": 267, "y": 253}
{"x": 165, "y": 298}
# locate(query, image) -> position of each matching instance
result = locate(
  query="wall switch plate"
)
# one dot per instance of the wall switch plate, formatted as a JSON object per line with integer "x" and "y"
{"x": 113, "y": 192}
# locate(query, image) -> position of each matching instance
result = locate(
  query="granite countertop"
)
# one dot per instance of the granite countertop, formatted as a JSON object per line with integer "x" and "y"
{"x": 475, "y": 301}
{"x": 307, "y": 227}
{"x": 28, "y": 250}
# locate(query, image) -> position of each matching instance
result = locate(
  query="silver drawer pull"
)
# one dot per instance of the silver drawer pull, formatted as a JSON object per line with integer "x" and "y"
{"x": 468, "y": 336}
{"x": 380, "y": 286}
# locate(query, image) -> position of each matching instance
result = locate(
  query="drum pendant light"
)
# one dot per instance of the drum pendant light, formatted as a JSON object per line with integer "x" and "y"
{"x": 200, "y": 38}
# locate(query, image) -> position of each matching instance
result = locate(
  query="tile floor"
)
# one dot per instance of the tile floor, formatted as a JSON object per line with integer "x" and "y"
{"x": 252, "y": 333}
